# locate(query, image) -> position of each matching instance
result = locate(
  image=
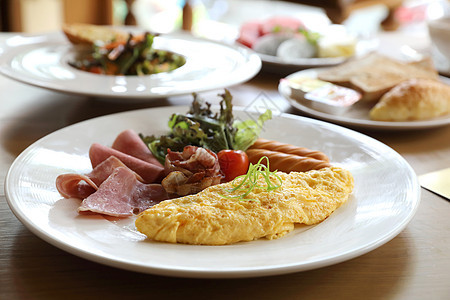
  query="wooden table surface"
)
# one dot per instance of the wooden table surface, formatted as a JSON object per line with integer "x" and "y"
{"x": 413, "y": 265}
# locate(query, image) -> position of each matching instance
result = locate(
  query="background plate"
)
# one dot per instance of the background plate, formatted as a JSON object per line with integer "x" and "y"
{"x": 43, "y": 61}
{"x": 358, "y": 115}
{"x": 385, "y": 199}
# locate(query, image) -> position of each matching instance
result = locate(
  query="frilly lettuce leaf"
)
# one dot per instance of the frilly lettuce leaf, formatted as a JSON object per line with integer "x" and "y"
{"x": 203, "y": 128}
{"x": 248, "y": 131}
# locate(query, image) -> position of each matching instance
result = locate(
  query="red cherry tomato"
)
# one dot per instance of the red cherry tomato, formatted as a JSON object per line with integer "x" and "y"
{"x": 233, "y": 163}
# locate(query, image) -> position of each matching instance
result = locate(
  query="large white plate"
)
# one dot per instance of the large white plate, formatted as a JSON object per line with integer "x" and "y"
{"x": 358, "y": 115}
{"x": 43, "y": 61}
{"x": 385, "y": 199}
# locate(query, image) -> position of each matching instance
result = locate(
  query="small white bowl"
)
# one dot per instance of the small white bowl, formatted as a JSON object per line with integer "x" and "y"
{"x": 321, "y": 95}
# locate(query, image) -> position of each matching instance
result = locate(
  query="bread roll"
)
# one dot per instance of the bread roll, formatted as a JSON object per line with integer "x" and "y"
{"x": 415, "y": 99}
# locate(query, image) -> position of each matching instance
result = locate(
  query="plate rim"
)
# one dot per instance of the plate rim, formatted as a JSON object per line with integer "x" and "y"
{"x": 201, "y": 273}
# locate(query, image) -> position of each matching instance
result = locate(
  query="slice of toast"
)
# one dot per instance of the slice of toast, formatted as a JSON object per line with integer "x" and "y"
{"x": 375, "y": 74}
{"x": 89, "y": 34}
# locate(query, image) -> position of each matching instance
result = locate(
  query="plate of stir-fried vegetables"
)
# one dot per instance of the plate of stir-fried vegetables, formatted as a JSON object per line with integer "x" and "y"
{"x": 139, "y": 65}
{"x": 135, "y": 56}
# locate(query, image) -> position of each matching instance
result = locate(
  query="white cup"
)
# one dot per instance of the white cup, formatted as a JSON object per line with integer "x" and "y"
{"x": 439, "y": 30}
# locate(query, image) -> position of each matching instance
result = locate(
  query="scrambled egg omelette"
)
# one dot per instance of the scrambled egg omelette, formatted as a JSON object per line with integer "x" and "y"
{"x": 214, "y": 217}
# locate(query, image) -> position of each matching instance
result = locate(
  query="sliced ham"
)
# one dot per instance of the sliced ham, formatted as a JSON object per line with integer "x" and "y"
{"x": 130, "y": 143}
{"x": 75, "y": 186}
{"x": 149, "y": 172}
{"x": 122, "y": 195}
{"x": 82, "y": 185}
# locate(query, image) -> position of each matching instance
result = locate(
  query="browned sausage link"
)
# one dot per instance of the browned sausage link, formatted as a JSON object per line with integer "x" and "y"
{"x": 286, "y": 162}
{"x": 289, "y": 149}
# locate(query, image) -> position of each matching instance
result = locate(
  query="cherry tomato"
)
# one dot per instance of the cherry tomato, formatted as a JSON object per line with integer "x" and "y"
{"x": 233, "y": 163}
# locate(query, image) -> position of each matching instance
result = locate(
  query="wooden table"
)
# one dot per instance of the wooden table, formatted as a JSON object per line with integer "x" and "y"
{"x": 414, "y": 265}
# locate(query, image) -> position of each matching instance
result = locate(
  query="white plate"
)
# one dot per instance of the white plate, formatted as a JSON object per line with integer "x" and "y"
{"x": 385, "y": 199}
{"x": 358, "y": 115}
{"x": 276, "y": 64}
{"x": 43, "y": 61}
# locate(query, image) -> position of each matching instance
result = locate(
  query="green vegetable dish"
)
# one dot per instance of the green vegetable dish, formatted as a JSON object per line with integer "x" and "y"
{"x": 203, "y": 128}
{"x": 136, "y": 56}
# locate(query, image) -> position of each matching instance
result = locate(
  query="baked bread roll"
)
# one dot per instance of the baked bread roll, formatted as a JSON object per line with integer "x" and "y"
{"x": 414, "y": 99}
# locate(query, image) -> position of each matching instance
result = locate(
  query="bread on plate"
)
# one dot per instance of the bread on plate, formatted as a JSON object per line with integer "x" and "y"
{"x": 375, "y": 74}
{"x": 414, "y": 99}
{"x": 88, "y": 34}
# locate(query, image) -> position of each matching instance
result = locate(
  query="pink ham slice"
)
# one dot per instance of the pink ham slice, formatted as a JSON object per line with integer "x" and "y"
{"x": 75, "y": 186}
{"x": 122, "y": 195}
{"x": 130, "y": 143}
{"x": 150, "y": 173}
{"x": 82, "y": 185}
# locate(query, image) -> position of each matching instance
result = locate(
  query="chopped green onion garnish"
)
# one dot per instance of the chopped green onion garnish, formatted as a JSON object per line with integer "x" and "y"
{"x": 249, "y": 181}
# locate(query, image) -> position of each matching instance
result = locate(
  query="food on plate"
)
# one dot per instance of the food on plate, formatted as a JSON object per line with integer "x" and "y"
{"x": 201, "y": 127}
{"x": 190, "y": 171}
{"x": 269, "y": 208}
{"x": 149, "y": 171}
{"x": 415, "y": 99}
{"x": 122, "y": 195}
{"x": 375, "y": 74}
{"x": 120, "y": 184}
{"x": 336, "y": 42}
{"x": 233, "y": 163}
{"x": 82, "y": 185}
{"x": 112, "y": 52}
{"x": 89, "y": 34}
{"x": 131, "y": 143}
{"x": 288, "y": 148}
{"x": 322, "y": 95}
{"x": 286, "y": 162}
{"x": 179, "y": 173}
{"x": 204, "y": 197}
{"x": 297, "y": 47}
{"x": 288, "y": 39}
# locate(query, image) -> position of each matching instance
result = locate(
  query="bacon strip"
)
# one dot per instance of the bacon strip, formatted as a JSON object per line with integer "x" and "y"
{"x": 190, "y": 171}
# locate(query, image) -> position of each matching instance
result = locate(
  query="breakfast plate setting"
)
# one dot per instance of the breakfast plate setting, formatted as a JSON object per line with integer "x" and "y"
{"x": 350, "y": 99}
{"x": 385, "y": 198}
{"x": 46, "y": 61}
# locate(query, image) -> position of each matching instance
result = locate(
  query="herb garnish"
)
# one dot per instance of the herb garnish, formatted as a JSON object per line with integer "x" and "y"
{"x": 250, "y": 180}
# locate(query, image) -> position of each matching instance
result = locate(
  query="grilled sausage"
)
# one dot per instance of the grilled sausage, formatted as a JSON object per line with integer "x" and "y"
{"x": 286, "y": 162}
{"x": 289, "y": 149}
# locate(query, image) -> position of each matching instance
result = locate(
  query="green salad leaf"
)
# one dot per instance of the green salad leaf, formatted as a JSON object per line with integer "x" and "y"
{"x": 201, "y": 127}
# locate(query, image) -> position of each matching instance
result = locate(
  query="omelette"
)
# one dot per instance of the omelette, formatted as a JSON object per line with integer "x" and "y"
{"x": 219, "y": 215}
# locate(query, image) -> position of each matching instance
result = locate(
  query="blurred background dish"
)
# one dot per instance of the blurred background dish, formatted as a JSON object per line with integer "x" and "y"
{"x": 358, "y": 114}
{"x": 43, "y": 61}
